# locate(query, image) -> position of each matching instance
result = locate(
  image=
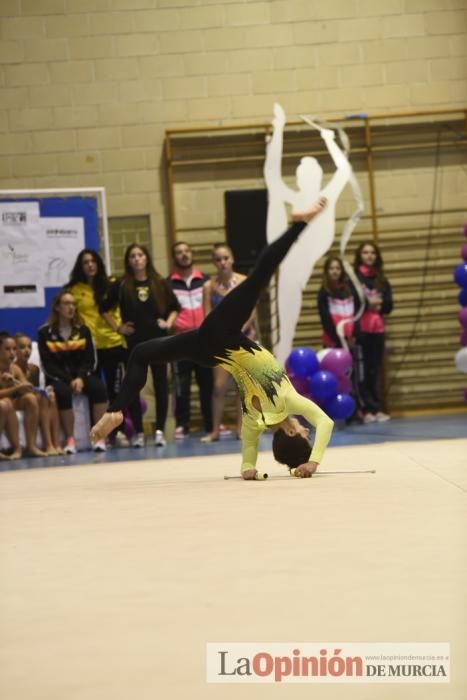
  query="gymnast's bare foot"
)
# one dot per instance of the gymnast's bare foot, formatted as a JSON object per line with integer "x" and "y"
{"x": 105, "y": 425}
{"x": 308, "y": 214}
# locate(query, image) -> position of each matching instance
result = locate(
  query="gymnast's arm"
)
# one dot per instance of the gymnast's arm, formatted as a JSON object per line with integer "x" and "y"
{"x": 250, "y": 439}
{"x": 323, "y": 425}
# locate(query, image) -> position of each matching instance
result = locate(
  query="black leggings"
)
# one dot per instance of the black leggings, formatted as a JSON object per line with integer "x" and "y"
{"x": 220, "y": 330}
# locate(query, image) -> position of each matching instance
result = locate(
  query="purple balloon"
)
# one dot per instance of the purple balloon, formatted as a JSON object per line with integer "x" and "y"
{"x": 460, "y": 275}
{"x": 300, "y": 384}
{"x": 463, "y": 340}
{"x": 464, "y": 252}
{"x": 323, "y": 386}
{"x": 302, "y": 362}
{"x": 462, "y": 297}
{"x": 463, "y": 317}
{"x": 143, "y": 404}
{"x": 341, "y": 407}
{"x": 338, "y": 361}
{"x": 128, "y": 427}
{"x": 344, "y": 384}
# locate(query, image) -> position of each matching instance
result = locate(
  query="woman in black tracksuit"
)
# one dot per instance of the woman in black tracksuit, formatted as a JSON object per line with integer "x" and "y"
{"x": 148, "y": 307}
{"x": 369, "y": 270}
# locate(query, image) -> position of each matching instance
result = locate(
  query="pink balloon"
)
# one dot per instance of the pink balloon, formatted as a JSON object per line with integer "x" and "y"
{"x": 300, "y": 384}
{"x": 463, "y": 317}
{"x": 344, "y": 385}
{"x": 464, "y": 252}
{"x": 338, "y": 362}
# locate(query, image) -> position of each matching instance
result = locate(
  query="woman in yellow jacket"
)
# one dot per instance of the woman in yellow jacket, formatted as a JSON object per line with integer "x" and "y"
{"x": 89, "y": 284}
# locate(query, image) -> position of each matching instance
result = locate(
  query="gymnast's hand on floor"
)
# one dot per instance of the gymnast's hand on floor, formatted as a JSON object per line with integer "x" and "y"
{"x": 306, "y": 471}
{"x": 249, "y": 474}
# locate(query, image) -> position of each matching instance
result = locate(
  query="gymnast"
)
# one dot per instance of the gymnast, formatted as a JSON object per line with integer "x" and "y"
{"x": 268, "y": 398}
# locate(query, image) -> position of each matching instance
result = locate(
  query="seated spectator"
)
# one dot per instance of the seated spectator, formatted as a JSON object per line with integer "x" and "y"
{"x": 68, "y": 357}
{"x": 9, "y": 425}
{"x": 48, "y": 412}
{"x": 89, "y": 285}
{"x": 14, "y": 386}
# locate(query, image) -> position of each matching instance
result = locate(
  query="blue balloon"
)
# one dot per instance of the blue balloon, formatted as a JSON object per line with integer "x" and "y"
{"x": 340, "y": 407}
{"x": 323, "y": 386}
{"x": 302, "y": 362}
{"x": 460, "y": 275}
{"x": 462, "y": 297}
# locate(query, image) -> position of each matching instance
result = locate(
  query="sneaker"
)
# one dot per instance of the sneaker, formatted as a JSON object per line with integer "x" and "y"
{"x": 224, "y": 432}
{"x": 137, "y": 440}
{"x": 180, "y": 433}
{"x": 382, "y": 417}
{"x": 99, "y": 446}
{"x": 121, "y": 440}
{"x": 159, "y": 439}
{"x": 369, "y": 418}
{"x": 70, "y": 446}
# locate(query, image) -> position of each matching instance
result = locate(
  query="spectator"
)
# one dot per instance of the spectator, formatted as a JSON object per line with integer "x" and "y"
{"x": 369, "y": 270}
{"x": 187, "y": 283}
{"x": 69, "y": 360}
{"x": 148, "y": 309}
{"x": 9, "y": 425}
{"x": 213, "y": 292}
{"x": 89, "y": 285}
{"x": 14, "y": 386}
{"x": 337, "y": 300}
{"x": 48, "y": 412}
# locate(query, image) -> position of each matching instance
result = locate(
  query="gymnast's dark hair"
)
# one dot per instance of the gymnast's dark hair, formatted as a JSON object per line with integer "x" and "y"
{"x": 292, "y": 451}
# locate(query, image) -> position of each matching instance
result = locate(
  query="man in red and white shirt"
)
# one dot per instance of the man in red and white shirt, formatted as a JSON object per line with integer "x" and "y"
{"x": 187, "y": 283}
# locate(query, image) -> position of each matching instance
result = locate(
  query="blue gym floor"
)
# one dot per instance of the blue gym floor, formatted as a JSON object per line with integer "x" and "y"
{"x": 396, "y": 430}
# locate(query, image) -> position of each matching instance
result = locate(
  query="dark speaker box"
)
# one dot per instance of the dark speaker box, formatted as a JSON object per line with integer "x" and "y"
{"x": 245, "y": 225}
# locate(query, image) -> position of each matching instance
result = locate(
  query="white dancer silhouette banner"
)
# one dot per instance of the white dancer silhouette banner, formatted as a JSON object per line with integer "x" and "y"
{"x": 317, "y": 238}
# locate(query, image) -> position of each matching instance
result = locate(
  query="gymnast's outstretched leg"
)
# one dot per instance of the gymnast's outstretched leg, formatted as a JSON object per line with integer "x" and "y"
{"x": 158, "y": 350}
{"x": 231, "y": 314}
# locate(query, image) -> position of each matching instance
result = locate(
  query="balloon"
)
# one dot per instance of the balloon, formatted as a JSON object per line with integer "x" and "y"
{"x": 128, "y": 427}
{"x": 460, "y": 275}
{"x": 323, "y": 386}
{"x": 341, "y": 407}
{"x": 321, "y": 354}
{"x": 463, "y": 340}
{"x": 464, "y": 252}
{"x": 338, "y": 361}
{"x": 461, "y": 360}
{"x": 344, "y": 384}
{"x": 300, "y": 384}
{"x": 302, "y": 362}
{"x": 463, "y": 317}
{"x": 462, "y": 297}
{"x": 143, "y": 404}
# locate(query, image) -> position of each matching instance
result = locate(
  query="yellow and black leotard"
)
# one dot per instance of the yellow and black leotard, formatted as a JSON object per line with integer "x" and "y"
{"x": 219, "y": 341}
